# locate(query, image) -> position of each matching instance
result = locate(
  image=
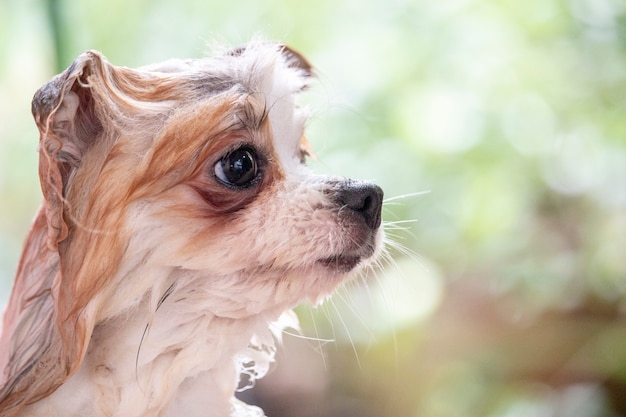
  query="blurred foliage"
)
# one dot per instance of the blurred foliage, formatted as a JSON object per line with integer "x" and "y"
{"x": 506, "y": 296}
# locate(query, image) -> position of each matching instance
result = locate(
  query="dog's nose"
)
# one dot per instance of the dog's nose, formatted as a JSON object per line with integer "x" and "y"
{"x": 363, "y": 198}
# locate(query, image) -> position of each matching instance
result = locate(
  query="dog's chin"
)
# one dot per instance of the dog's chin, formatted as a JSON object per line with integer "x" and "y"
{"x": 347, "y": 261}
{"x": 329, "y": 272}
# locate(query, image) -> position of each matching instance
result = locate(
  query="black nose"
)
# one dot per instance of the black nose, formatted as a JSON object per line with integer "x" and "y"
{"x": 363, "y": 198}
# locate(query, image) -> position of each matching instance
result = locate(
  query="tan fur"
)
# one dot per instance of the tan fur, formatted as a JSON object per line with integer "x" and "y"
{"x": 141, "y": 258}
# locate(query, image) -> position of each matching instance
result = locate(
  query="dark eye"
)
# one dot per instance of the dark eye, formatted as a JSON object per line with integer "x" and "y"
{"x": 238, "y": 168}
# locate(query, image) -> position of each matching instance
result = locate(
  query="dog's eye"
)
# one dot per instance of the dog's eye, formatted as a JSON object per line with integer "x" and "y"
{"x": 238, "y": 168}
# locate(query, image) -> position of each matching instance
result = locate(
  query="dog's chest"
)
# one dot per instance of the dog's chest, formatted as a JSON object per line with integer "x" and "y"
{"x": 137, "y": 366}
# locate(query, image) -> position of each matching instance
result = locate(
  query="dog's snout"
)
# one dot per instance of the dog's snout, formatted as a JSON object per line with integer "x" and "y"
{"x": 364, "y": 199}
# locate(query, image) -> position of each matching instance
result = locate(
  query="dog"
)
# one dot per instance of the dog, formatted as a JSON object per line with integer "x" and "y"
{"x": 180, "y": 225}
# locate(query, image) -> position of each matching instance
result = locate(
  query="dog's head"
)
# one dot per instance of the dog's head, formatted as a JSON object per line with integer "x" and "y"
{"x": 185, "y": 177}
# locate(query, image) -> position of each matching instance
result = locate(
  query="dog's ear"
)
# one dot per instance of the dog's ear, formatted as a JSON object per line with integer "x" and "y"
{"x": 296, "y": 60}
{"x": 64, "y": 112}
{"x": 46, "y": 331}
{"x": 293, "y": 58}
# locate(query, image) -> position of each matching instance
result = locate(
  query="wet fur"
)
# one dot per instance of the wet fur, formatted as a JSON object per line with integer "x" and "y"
{"x": 145, "y": 285}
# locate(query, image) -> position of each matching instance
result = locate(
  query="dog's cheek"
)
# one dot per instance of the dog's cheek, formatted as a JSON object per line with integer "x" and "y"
{"x": 286, "y": 226}
{"x": 283, "y": 227}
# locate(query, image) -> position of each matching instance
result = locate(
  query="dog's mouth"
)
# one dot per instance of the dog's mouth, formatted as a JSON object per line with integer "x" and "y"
{"x": 341, "y": 263}
{"x": 347, "y": 261}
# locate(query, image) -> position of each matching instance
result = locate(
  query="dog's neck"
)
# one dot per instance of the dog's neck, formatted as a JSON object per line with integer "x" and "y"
{"x": 170, "y": 362}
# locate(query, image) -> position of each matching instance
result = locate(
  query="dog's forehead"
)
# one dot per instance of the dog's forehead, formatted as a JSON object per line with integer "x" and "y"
{"x": 269, "y": 72}
{"x": 263, "y": 72}
{"x": 287, "y": 123}
{"x": 287, "y": 120}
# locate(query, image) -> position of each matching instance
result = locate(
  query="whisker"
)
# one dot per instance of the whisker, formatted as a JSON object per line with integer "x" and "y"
{"x": 398, "y": 226}
{"x": 345, "y": 326}
{"x": 403, "y": 196}
{"x": 354, "y": 312}
{"x": 319, "y": 341}
{"x": 396, "y": 222}
{"x": 314, "y": 339}
{"x": 408, "y": 253}
{"x": 324, "y": 308}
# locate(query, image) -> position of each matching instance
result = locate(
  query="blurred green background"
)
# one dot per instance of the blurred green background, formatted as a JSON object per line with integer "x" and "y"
{"x": 497, "y": 129}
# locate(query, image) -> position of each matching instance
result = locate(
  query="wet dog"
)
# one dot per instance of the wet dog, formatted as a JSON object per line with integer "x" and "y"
{"x": 179, "y": 222}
